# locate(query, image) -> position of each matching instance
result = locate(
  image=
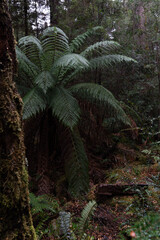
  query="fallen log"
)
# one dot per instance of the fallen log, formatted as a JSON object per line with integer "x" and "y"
{"x": 119, "y": 189}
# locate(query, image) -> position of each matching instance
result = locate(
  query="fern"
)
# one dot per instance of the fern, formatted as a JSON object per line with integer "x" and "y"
{"x": 64, "y": 106}
{"x": 99, "y": 95}
{"x": 81, "y": 39}
{"x": 76, "y": 163}
{"x": 34, "y": 102}
{"x": 108, "y": 61}
{"x": 100, "y": 48}
{"x": 55, "y": 39}
{"x": 85, "y": 215}
{"x": 41, "y": 203}
{"x": 32, "y": 48}
{"x": 45, "y": 80}
{"x": 64, "y": 222}
{"x": 73, "y": 60}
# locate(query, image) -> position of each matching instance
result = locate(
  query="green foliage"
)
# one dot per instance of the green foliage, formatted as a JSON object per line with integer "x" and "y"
{"x": 146, "y": 228}
{"x": 85, "y": 215}
{"x": 65, "y": 223}
{"x": 43, "y": 208}
{"x": 76, "y": 165}
{"x": 47, "y": 72}
{"x": 43, "y": 202}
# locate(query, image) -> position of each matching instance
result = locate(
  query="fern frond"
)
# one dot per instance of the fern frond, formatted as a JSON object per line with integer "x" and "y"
{"x": 45, "y": 80}
{"x": 85, "y": 216}
{"x": 41, "y": 203}
{"x": 54, "y": 39}
{"x": 64, "y": 106}
{"x": 100, "y": 48}
{"x": 81, "y": 39}
{"x": 76, "y": 164}
{"x": 108, "y": 60}
{"x": 97, "y": 94}
{"x": 34, "y": 102}
{"x": 32, "y": 47}
{"x": 72, "y": 60}
{"x": 25, "y": 65}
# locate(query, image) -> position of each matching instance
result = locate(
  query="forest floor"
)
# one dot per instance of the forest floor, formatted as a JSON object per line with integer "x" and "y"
{"x": 114, "y": 214}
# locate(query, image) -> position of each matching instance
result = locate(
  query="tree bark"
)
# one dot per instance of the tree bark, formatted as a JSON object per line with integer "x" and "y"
{"x": 16, "y": 221}
{"x": 54, "y": 13}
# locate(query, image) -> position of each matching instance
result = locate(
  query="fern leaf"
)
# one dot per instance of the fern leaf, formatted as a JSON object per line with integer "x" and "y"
{"x": 34, "y": 102}
{"x": 97, "y": 94}
{"x": 41, "y": 203}
{"x": 32, "y": 47}
{"x": 44, "y": 80}
{"x": 108, "y": 60}
{"x": 72, "y": 60}
{"x": 25, "y": 65}
{"x": 85, "y": 216}
{"x": 64, "y": 106}
{"x": 81, "y": 39}
{"x": 100, "y": 48}
{"x": 54, "y": 39}
{"x": 76, "y": 164}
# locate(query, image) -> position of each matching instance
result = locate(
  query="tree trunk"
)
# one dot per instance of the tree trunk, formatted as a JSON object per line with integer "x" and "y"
{"x": 26, "y": 17}
{"x": 16, "y": 222}
{"x": 54, "y": 12}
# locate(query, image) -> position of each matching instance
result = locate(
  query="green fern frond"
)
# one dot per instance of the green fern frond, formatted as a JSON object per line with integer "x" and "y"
{"x": 54, "y": 39}
{"x": 34, "y": 102}
{"x": 25, "y": 65}
{"x": 45, "y": 80}
{"x": 97, "y": 94}
{"x": 64, "y": 106}
{"x": 85, "y": 216}
{"x": 41, "y": 203}
{"x": 81, "y": 39}
{"x": 100, "y": 48}
{"x": 108, "y": 60}
{"x": 72, "y": 60}
{"x": 76, "y": 164}
{"x": 32, "y": 47}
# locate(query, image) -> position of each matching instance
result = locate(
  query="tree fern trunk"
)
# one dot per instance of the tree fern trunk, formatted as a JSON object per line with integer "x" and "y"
{"x": 16, "y": 222}
{"x": 43, "y": 156}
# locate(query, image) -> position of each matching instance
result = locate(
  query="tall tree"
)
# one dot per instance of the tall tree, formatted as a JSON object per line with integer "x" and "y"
{"x": 16, "y": 222}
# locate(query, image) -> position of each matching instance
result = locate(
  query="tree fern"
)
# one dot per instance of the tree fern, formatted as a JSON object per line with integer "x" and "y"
{"x": 46, "y": 71}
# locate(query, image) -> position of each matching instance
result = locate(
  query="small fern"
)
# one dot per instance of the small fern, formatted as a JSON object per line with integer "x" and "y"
{"x": 64, "y": 222}
{"x": 41, "y": 203}
{"x": 85, "y": 216}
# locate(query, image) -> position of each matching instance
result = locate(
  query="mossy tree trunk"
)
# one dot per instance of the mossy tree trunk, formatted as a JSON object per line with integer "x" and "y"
{"x": 15, "y": 216}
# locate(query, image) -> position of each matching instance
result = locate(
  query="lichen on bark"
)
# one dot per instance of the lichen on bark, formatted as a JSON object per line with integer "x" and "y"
{"x": 16, "y": 222}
